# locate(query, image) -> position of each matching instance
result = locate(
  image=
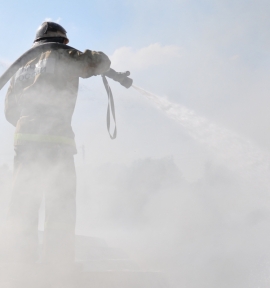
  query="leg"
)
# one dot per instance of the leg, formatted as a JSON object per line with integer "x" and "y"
{"x": 22, "y": 219}
{"x": 60, "y": 209}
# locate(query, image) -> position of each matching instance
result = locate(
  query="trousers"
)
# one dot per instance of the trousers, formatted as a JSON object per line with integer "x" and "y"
{"x": 49, "y": 172}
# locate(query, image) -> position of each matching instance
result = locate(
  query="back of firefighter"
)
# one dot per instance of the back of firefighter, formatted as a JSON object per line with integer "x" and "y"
{"x": 40, "y": 103}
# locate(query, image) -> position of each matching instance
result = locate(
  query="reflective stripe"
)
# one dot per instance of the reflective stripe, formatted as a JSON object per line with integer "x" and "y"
{"x": 20, "y": 139}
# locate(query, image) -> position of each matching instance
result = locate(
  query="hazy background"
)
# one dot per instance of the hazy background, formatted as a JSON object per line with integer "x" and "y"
{"x": 166, "y": 199}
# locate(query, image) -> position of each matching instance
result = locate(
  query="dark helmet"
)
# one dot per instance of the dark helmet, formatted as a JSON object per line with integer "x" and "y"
{"x": 50, "y": 30}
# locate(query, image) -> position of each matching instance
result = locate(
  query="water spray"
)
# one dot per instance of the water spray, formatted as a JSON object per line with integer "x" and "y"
{"x": 242, "y": 154}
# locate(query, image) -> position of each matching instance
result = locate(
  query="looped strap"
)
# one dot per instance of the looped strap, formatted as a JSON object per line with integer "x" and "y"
{"x": 110, "y": 108}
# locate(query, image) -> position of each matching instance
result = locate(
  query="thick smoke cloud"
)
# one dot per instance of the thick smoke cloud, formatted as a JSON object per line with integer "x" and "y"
{"x": 203, "y": 234}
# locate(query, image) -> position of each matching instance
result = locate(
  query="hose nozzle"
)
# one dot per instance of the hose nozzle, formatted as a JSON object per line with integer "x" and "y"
{"x": 126, "y": 82}
{"x": 121, "y": 77}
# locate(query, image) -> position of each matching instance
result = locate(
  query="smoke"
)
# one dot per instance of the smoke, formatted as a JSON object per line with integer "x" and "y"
{"x": 181, "y": 197}
{"x": 212, "y": 232}
{"x": 208, "y": 233}
{"x": 200, "y": 234}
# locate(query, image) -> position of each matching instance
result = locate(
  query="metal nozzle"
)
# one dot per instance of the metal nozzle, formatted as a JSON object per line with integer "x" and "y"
{"x": 122, "y": 78}
{"x": 126, "y": 82}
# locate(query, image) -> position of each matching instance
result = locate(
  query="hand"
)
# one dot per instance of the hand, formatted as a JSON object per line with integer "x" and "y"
{"x": 116, "y": 76}
{"x": 121, "y": 77}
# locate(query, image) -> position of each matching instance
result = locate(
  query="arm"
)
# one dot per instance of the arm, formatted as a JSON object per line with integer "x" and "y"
{"x": 95, "y": 63}
{"x": 90, "y": 63}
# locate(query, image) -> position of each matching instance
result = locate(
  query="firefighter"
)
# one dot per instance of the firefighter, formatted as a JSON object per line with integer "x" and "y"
{"x": 40, "y": 102}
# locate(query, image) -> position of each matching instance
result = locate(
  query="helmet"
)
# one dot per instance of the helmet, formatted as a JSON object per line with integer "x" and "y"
{"x": 50, "y": 30}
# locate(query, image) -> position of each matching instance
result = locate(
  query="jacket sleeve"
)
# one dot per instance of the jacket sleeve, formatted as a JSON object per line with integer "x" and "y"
{"x": 90, "y": 63}
{"x": 12, "y": 111}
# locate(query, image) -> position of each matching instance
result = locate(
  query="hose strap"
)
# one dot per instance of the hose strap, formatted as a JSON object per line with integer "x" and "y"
{"x": 110, "y": 108}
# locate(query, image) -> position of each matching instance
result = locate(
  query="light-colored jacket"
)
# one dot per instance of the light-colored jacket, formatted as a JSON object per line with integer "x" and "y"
{"x": 42, "y": 95}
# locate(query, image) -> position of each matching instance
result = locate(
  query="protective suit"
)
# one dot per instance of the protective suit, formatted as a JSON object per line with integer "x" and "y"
{"x": 40, "y": 103}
